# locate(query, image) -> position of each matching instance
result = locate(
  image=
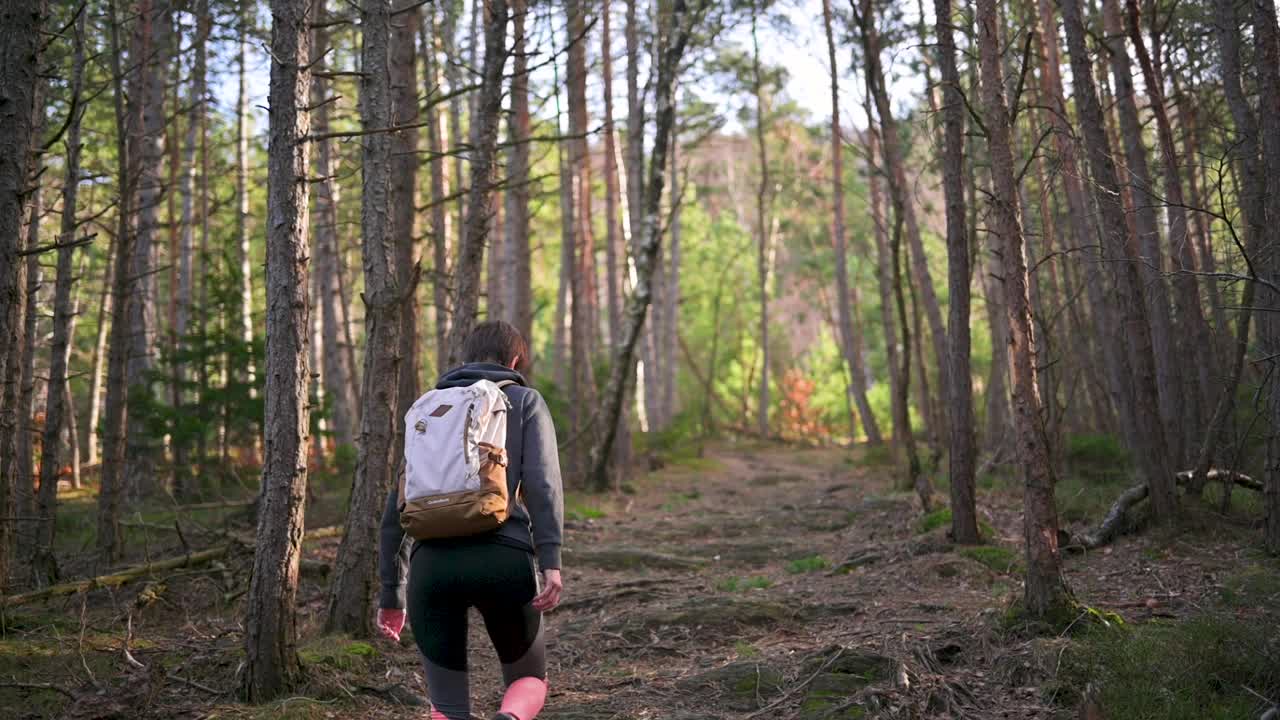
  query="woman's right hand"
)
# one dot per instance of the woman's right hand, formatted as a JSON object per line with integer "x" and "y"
{"x": 390, "y": 622}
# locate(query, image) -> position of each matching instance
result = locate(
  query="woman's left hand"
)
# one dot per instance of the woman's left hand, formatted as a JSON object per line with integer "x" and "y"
{"x": 549, "y": 598}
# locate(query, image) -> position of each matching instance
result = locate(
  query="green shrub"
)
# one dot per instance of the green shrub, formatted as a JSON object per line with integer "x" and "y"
{"x": 1199, "y": 669}
{"x": 813, "y": 563}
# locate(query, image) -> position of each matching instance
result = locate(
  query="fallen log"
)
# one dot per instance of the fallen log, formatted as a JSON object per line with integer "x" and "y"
{"x": 136, "y": 572}
{"x": 1113, "y": 522}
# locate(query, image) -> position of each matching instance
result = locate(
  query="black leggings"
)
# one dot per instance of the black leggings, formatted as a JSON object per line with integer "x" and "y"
{"x": 499, "y": 581}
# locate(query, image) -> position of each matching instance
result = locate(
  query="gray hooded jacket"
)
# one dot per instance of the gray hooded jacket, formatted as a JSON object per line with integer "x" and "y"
{"x": 535, "y": 525}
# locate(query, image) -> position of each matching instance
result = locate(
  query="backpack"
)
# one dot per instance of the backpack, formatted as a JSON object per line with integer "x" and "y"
{"x": 454, "y": 482}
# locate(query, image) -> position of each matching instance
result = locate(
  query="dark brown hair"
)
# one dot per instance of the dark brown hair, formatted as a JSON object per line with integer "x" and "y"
{"x": 496, "y": 341}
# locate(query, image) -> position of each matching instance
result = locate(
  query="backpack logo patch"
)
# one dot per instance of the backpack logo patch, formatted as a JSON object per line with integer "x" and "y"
{"x": 441, "y": 411}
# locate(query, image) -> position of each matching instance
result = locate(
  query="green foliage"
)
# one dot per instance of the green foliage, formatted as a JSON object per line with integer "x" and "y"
{"x": 1197, "y": 669}
{"x": 737, "y": 584}
{"x": 1096, "y": 454}
{"x": 338, "y": 652}
{"x": 934, "y": 520}
{"x": 997, "y": 558}
{"x": 813, "y": 563}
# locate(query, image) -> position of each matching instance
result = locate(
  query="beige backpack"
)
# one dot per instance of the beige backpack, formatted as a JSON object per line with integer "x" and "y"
{"x": 455, "y": 462}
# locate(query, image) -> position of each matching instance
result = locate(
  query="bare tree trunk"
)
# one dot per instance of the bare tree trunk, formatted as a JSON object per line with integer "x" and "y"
{"x": 404, "y": 203}
{"x": 1151, "y": 262}
{"x": 519, "y": 127}
{"x": 671, "y": 298}
{"x": 560, "y": 338}
{"x": 1046, "y": 591}
{"x": 1267, "y": 56}
{"x": 351, "y": 596}
{"x": 96, "y": 377}
{"x": 44, "y": 568}
{"x": 111, "y": 485}
{"x": 1198, "y": 372}
{"x": 581, "y": 375}
{"x": 25, "y": 460}
{"x": 337, "y": 370}
{"x": 884, "y": 277}
{"x": 23, "y": 22}
{"x": 670, "y": 47}
{"x": 440, "y": 225}
{"x": 271, "y": 659}
{"x": 844, "y": 316}
{"x": 242, "y": 195}
{"x": 445, "y": 272}
{"x": 615, "y": 253}
{"x": 150, "y": 48}
{"x": 764, "y": 206}
{"x": 1143, "y": 414}
{"x": 964, "y": 521}
{"x": 899, "y": 192}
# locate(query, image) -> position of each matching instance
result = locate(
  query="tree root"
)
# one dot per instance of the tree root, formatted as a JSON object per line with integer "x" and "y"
{"x": 1113, "y": 523}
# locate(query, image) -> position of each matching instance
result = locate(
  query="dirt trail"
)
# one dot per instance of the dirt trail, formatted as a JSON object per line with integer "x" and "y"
{"x": 757, "y": 581}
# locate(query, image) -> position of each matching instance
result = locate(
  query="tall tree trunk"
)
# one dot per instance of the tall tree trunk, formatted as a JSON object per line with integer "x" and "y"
{"x": 1197, "y": 342}
{"x": 445, "y": 272}
{"x": 669, "y": 52}
{"x": 337, "y": 372}
{"x": 560, "y": 337}
{"x": 242, "y": 195}
{"x": 581, "y": 374}
{"x": 186, "y": 247}
{"x": 23, "y": 21}
{"x": 844, "y": 315}
{"x": 1267, "y": 55}
{"x": 519, "y": 127}
{"x": 150, "y": 48}
{"x": 271, "y": 658}
{"x": 43, "y": 564}
{"x": 25, "y": 460}
{"x": 1046, "y": 592}
{"x": 124, "y": 284}
{"x": 96, "y": 375}
{"x": 1143, "y": 414}
{"x": 404, "y": 203}
{"x": 764, "y": 206}
{"x": 483, "y": 157}
{"x": 1151, "y": 261}
{"x": 440, "y": 221}
{"x": 671, "y": 298}
{"x": 884, "y": 277}
{"x": 351, "y": 596}
{"x": 899, "y": 192}
{"x": 615, "y": 253}
{"x": 964, "y": 521}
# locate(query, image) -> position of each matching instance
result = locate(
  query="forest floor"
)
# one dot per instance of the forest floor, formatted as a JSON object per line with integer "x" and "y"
{"x": 753, "y": 581}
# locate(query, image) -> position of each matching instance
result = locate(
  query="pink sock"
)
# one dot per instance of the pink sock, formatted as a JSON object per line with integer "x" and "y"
{"x": 436, "y": 714}
{"x": 524, "y": 698}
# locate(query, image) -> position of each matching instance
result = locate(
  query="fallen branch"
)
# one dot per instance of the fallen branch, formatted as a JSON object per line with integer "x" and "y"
{"x": 136, "y": 572}
{"x": 1113, "y": 522}
{"x": 37, "y": 686}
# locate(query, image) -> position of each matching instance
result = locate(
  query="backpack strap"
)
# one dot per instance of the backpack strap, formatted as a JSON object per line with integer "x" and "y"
{"x": 502, "y": 384}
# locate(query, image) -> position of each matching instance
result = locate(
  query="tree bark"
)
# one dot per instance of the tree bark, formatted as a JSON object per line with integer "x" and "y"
{"x": 271, "y": 659}
{"x": 245, "y": 263}
{"x": 899, "y": 191}
{"x": 884, "y": 278}
{"x": 337, "y": 372}
{"x": 517, "y": 196}
{"x": 483, "y": 156}
{"x": 24, "y": 460}
{"x": 43, "y": 565}
{"x": 669, "y": 52}
{"x": 1267, "y": 56}
{"x": 581, "y": 376}
{"x": 115, "y": 413}
{"x": 440, "y": 221}
{"x": 351, "y": 596}
{"x": 615, "y": 253}
{"x": 964, "y": 521}
{"x": 764, "y": 206}
{"x": 404, "y": 201}
{"x": 1143, "y": 414}
{"x": 1046, "y": 590}
{"x": 1193, "y": 328}
{"x": 844, "y": 315}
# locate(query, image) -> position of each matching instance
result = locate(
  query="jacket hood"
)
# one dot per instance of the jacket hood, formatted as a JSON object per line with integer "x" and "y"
{"x": 472, "y": 373}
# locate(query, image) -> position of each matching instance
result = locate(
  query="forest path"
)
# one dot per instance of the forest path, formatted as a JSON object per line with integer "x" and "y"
{"x": 797, "y": 581}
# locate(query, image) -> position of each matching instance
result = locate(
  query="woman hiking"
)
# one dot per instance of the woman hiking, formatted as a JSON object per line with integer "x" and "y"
{"x": 453, "y": 564}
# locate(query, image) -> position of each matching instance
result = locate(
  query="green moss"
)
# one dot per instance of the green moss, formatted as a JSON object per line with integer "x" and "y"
{"x": 812, "y": 563}
{"x": 997, "y": 558}
{"x": 337, "y": 651}
{"x": 934, "y": 520}
{"x": 737, "y": 584}
{"x": 1198, "y": 669}
{"x": 1254, "y": 586}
